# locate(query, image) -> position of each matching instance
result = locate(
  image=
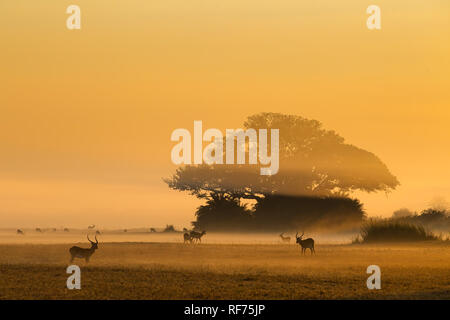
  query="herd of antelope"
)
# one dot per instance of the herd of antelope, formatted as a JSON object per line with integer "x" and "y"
{"x": 39, "y": 230}
{"x": 195, "y": 236}
{"x": 190, "y": 237}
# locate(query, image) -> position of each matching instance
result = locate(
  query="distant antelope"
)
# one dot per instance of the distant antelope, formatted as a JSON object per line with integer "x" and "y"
{"x": 285, "y": 239}
{"x": 305, "y": 244}
{"x": 77, "y": 252}
{"x": 20, "y": 231}
{"x": 187, "y": 238}
{"x": 152, "y": 230}
{"x": 125, "y": 230}
{"x": 197, "y": 236}
{"x": 38, "y": 230}
{"x": 66, "y": 230}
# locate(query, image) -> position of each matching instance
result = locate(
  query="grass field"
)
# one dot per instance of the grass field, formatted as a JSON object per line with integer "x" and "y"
{"x": 226, "y": 271}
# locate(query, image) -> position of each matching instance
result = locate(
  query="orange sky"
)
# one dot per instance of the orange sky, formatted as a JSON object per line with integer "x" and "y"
{"x": 86, "y": 115}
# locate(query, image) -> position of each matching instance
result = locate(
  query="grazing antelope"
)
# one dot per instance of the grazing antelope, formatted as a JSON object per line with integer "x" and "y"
{"x": 285, "y": 239}
{"x": 20, "y": 232}
{"x": 305, "y": 244}
{"x": 92, "y": 226}
{"x": 187, "y": 238}
{"x": 77, "y": 252}
{"x": 197, "y": 236}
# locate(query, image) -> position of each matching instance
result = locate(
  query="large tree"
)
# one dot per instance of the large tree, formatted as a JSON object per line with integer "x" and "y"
{"x": 313, "y": 162}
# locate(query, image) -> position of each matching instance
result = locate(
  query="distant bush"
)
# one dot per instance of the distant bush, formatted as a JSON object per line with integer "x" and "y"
{"x": 375, "y": 231}
{"x": 169, "y": 228}
{"x": 432, "y": 219}
{"x": 402, "y": 213}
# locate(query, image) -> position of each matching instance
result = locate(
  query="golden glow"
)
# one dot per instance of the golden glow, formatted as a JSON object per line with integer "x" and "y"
{"x": 86, "y": 115}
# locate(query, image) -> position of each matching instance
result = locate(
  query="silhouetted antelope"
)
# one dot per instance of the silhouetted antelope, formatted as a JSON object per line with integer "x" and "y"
{"x": 305, "y": 244}
{"x": 187, "y": 238}
{"x": 285, "y": 239}
{"x": 197, "y": 236}
{"x": 20, "y": 232}
{"x": 77, "y": 252}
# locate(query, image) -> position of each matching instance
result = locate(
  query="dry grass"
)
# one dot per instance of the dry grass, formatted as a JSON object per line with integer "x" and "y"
{"x": 214, "y": 271}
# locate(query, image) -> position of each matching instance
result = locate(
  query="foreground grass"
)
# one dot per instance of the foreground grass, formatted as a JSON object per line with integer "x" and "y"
{"x": 175, "y": 271}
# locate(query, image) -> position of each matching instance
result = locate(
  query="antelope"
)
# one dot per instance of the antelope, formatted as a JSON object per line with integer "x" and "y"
{"x": 187, "y": 238}
{"x": 77, "y": 252}
{"x": 66, "y": 230}
{"x": 285, "y": 239}
{"x": 305, "y": 244}
{"x": 152, "y": 230}
{"x": 197, "y": 236}
{"x": 20, "y": 231}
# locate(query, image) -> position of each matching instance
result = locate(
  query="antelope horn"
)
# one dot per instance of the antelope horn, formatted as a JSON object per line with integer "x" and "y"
{"x": 89, "y": 239}
{"x": 296, "y": 235}
{"x": 96, "y": 239}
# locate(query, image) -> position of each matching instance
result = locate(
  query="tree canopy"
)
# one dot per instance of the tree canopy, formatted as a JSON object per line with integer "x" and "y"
{"x": 313, "y": 162}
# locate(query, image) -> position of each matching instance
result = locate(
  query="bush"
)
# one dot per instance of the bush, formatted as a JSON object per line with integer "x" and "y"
{"x": 169, "y": 228}
{"x": 222, "y": 214}
{"x": 436, "y": 220}
{"x": 393, "y": 231}
{"x": 281, "y": 213}
{"x": 402, "y": 213}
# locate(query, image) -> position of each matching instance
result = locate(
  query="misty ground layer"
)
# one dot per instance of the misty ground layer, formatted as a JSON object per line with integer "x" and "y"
{"x": 215, "y": 271}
